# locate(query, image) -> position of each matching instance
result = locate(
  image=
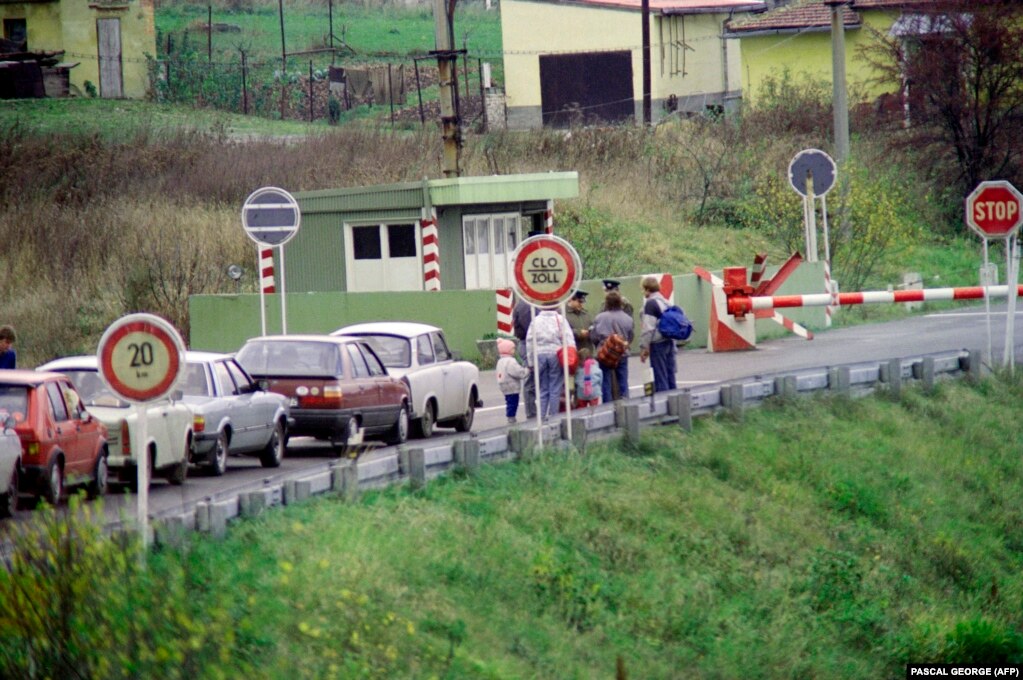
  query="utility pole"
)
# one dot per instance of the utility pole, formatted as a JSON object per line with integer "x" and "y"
{"x": 839, "y": 98}
{"x": 444, "y": 35}
{"x": 646, "y": 62}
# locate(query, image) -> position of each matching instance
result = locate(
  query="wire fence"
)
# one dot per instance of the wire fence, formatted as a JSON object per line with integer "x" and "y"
{"x": 403, "y": 90}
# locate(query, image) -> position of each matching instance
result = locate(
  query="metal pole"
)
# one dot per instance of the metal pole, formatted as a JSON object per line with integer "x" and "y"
{"x": 390, "y": 93}
{"x": 245, "y": 89}
{"x": 209, "y": 33}
{"x": 142, "y": 476}
{"x": 536, "y": 381}
{"x": 448, "y": 88}
{"x": 483, "y": 94}
{"x": 284, "y": 310}
{"x": 564, "y": 364}
{"x": 986, "y": 281}
{"x": 419, "y": 91}
{"x": 330, "y": 22}
{"x": 284, "y": 53}
{"x": 811, "y": 226}
{"x": 262, "y": 293}
{"x": 646, "y": 62}
{"x": 840, "y": 103}
{"x": 1012, "y": 278}
{"x": 310, "y": 90}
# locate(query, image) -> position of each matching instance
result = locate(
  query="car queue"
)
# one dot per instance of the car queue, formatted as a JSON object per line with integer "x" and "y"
{"x": 62, "y": 426}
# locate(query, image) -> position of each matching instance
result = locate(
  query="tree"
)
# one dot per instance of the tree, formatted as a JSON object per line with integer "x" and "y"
{"x": 959, "y": 64}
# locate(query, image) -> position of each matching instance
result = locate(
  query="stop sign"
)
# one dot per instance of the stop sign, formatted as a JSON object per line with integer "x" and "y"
{"x": 993, "y": 209}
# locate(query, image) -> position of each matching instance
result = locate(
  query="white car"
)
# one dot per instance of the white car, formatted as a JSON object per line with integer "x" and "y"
{"x": 10, "y": 463}
{"x": 168, "y": 424}
{"x": 445, "y": 392}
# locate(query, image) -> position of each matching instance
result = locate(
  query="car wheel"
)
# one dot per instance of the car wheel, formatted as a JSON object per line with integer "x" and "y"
{"x": 133, "y": 480}
{"x": 54, "y": 490}
{"x": 424, "y": 426}
{"x": 464, "y": 422}
{"x": 273, "y": 454}
{"x": 100, "y": 477}
{"x": 218, "y": 462}
{"x": 342, "y": 441}
{"x": 399, "y": 433}
{"x": 9, "y": 500}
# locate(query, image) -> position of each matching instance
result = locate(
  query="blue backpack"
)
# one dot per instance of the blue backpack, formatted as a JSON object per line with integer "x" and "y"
{"x": 674, "y": 324}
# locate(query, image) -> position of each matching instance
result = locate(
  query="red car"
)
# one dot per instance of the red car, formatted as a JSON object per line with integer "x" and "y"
{"x": 62, "y": 443}
{"x": 337, "y": 387}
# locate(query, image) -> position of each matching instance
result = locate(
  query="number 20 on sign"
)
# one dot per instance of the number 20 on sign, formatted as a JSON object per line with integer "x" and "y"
{"x": 140, "y": 357}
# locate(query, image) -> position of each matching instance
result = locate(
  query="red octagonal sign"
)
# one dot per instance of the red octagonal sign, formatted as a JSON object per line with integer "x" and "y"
{"x": 995, "y": 209}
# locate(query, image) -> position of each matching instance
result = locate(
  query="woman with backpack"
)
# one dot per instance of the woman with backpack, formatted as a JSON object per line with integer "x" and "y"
{"x": 614, "y": 361}
{"x": 654, "y": 346}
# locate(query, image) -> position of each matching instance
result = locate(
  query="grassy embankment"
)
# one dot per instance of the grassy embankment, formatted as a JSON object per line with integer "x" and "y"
{"x": 821, "y": 538}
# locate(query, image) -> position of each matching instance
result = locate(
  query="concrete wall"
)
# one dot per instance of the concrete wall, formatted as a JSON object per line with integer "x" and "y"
{"x": 224, "y": 322}
{"x": 70, "y": 25}
{"x": 808, "y": 55}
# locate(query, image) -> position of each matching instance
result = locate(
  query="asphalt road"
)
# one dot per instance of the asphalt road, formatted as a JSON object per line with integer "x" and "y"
{"x": 964, "y": 328}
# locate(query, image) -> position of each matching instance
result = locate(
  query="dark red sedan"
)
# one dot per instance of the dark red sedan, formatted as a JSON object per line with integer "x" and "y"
{"x": 338, "y": 388}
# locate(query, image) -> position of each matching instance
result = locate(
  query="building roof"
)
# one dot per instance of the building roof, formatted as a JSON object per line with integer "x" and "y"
{"x": 678, "y": 6}
{"x": 804, "y": 15}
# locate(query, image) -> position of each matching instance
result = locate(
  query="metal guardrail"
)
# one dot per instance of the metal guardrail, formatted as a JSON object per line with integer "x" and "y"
{"x": 416, "y": 464}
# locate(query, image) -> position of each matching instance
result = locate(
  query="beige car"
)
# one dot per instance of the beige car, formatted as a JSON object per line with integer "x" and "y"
{"x": 10, "y": 465}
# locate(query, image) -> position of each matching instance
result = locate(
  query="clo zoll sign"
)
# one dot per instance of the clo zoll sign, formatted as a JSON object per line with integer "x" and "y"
{"x": 546, "y": 270}
{"x": 995, "y": 209}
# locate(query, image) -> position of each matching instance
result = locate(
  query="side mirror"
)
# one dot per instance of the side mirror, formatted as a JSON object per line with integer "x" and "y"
{"x": 9, "y": 422}
{"x": 250, "y": 388}
{"x": 177, "y": 395}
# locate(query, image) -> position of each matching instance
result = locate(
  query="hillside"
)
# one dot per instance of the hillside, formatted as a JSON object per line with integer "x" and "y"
{"x": 817, "y": 538}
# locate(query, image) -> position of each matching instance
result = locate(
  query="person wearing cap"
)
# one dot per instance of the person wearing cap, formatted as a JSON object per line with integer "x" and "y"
{"x": 612, "y": 285}
{"x": 580, "y": 320}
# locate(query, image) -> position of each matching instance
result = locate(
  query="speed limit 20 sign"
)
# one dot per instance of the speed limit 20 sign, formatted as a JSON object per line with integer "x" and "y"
{"x": 141, "y": 357}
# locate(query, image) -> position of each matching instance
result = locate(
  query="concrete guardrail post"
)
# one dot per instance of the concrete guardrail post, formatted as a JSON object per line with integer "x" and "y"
{"x": 838, "y": 380}
{"x": 345, "y": 480}
{"x": 403, "y": 460}
{"x": 786, "y": 387}
{"x": 579, "y": 433}
{"x": 680, "y": 405}
{"x": 296, "y": 490}
{"x": 891, "y": 373}
{"x": 971, "y": 365}
{"x": 927, "y": 376}
{"x": 417, "y": 468}
{"x": 252, "y": 504}
{"x": 522, "y": 441}
{"x": 171, "y": 531}
{"x": 732, "y": 399}
{"x": 629, "y": 422}
{"x": 467, "y": 453}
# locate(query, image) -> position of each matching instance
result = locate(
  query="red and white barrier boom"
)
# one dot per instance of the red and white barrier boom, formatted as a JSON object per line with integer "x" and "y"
{"x": 740, "y": 305}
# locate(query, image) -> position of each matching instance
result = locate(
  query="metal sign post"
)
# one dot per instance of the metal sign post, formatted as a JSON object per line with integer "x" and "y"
{"x": 271, "y": 217}
{"x": 140, "y": 358}
{"x": 546, "y": 271}
{"x": 995, "y": 211}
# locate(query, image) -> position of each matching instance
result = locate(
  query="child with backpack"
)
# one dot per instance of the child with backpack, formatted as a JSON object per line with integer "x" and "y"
{"x": 510, "y": 374}
{"x": 588, "y": 380}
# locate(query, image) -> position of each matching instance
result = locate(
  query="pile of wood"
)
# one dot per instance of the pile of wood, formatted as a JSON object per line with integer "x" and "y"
{"x": 25, "y": 74}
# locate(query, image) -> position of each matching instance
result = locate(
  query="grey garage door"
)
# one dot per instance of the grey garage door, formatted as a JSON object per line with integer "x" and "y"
{"x": 592, "y": 87}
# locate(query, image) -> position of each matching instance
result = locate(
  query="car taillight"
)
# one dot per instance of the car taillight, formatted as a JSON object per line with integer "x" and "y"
{"x": 125, "y": 439}
{"x": 330, "y": 397}
{"x": 198, "y": 423}
{"x": 30, "y": 447}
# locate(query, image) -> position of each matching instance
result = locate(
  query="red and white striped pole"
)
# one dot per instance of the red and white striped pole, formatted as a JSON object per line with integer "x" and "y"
{"x": 266, "y": 281}
{"x": 431, "y": 252}
{"x": 504, "y": 311}
{"x": 739, "y": 305}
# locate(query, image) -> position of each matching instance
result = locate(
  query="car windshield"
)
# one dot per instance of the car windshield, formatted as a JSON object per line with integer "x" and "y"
{"x": 13, "y": 402}
{"x": 92, "y": 389}
{"x": 394, "y": 351}
{"x": 306, "y": 358}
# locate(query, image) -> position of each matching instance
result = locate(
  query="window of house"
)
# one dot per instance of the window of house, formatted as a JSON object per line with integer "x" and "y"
{"x": 16, "y": 30}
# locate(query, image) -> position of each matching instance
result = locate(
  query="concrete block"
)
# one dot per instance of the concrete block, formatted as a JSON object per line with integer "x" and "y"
{"x": 346, "y": 480}
{"x": 417, "y": 468}
{"x": 253, "y": 504}
{"x": 580, "y": 433}
{"x": 891, "y": 373}
{"x": 927, "y": 373}
{"x": 680, "y": 405}
{"x": 296, "y": 490}
{"x": 971, "y": 365}
{"x": 320, "y": 483}
{"x": 785, "y": 386}
{"x": 629, "y": 422}
{"x": 376, "y": 470}
{"x": 467, "y": 453}
{"x": 838, "y": 380}
{"x": 732, "y": 398}
{"x": 171, "y": 531}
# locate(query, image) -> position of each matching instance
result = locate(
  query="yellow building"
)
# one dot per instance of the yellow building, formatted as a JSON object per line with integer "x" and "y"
{"x": 582, "y": 60}
{"x": 796, "y": 39}
{"x": 108, "y": 39}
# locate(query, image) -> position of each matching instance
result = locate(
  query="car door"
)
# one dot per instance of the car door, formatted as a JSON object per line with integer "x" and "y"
{"x": 428, "y": 377}
{"x": 365, "y": 396}
{"x": 252, "y": 410}
{"x": 65, "y": 431}
{"x": 454, "y": 400}
{"x": 389, "y": 390}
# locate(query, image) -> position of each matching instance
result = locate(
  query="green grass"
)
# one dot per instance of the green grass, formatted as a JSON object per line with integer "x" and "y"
{"x": 821, "y": 538}
{"x": 123, "y": 120}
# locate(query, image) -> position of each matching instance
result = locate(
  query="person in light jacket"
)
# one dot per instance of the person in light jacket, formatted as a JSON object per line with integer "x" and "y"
{"x": 550, "y": 331}
{"x": 510, "y": 374}
{"x": 654, "y": 346}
